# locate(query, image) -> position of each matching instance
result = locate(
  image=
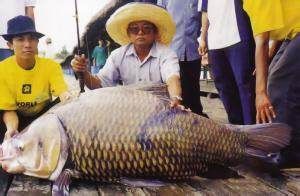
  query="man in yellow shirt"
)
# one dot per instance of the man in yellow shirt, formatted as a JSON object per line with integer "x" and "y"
{"x": 277, "y": 85}
{"x": 27, "y": 81}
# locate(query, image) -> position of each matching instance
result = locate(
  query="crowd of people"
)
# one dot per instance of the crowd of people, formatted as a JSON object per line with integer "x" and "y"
{"x": 251, "y": 46}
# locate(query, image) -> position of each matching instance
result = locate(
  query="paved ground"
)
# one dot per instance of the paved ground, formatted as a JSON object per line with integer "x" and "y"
{"x": 212, "y": 106}
{"x": 214, "y": 109}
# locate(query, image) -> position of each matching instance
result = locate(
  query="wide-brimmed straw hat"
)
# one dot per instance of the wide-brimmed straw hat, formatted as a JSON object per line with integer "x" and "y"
{"x": 118, "y": 22}
{"x": 20, "y": 25}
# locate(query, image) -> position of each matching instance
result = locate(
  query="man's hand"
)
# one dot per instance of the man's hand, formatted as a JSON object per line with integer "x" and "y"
{"x": 79, "y": 63}
{"x": 10, "y": 133}
{"x": 204, "y": 60}
{"x": 69, "y": 96}
{"x": 202, "y": 47}
{"x": 264, "y": 109}
{"x": 175, "y": 101}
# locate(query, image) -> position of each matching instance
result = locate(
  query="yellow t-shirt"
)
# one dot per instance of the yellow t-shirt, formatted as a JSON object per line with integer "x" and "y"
{"x": 29, "y": 91}
{"x": 280, "y": 17}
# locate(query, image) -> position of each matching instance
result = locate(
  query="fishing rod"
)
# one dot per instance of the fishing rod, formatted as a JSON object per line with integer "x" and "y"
{"x": 79, "y": 74}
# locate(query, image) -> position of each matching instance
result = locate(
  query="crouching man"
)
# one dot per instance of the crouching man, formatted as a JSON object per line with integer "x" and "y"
{"x": 27, "y": 81}
{"x": 144, "y": 31}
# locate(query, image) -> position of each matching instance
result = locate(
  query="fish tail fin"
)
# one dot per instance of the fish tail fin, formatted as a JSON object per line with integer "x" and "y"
{"x": 266, "y": 140}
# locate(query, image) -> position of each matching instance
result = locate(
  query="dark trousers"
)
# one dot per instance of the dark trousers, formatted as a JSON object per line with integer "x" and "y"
{"x": 232, "y": 68}
{"x": 284, "y": 86}
{"x": 190, "y": 75}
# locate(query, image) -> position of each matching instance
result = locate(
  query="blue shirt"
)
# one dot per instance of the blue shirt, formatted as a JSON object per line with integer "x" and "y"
{"x": 188, "y": 19}
{"x": 123, "y": 64}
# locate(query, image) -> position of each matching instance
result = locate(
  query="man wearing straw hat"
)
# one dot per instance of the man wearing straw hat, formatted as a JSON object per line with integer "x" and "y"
{"x": 143, "y": 30}
{"x": 27, "y": 81}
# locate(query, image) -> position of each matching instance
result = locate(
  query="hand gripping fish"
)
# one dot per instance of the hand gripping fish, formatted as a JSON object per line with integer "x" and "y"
{"x": 111, "y": 133}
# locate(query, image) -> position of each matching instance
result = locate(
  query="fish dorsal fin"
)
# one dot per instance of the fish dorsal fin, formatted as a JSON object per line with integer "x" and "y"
{"x": 153, "y": 88}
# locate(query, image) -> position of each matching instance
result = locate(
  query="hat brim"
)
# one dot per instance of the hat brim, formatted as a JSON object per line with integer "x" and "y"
{"x": 8, "y": 37}
{"x": 118, "y": 22}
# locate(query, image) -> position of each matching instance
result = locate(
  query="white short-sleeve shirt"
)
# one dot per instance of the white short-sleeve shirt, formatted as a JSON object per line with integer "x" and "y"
{"x": 8, "y": 10}
{"x": 223, "y": 30}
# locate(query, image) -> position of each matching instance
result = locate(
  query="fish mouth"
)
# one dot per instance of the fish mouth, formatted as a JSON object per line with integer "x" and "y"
{"x": 4, "y": 157}
{"x": 17, "y": 168}
{"x": 3, "y": 162}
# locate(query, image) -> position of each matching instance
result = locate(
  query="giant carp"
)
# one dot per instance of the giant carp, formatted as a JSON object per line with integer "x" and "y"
{"x": 110, "y": 133}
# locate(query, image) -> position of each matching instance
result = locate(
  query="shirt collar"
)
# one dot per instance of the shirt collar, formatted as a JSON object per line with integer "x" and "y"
{"x": 153, "y": 51}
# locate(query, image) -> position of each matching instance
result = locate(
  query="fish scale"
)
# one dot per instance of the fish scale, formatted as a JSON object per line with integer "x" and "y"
{"x": 143, "y": 137}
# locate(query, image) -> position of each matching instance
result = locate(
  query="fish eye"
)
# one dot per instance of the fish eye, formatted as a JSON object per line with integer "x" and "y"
{"x": 20, "y": 148}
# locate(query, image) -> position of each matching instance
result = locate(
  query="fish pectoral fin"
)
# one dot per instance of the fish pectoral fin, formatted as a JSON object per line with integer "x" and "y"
{"x": 133, "y": 182}
{"x": 61, "y": 185}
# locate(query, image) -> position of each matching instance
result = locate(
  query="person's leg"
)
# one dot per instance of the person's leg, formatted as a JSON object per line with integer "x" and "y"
{"x": 291, "y": 154}
{"x": 226, "y": 85}
{"x": 190, "y": 83}
{"x": 292, "y": 105}
{"x": 4, "y": 53}
{"x": 205, "y": 72}
{"x": 241, "y": 59}
{"x": 97, "y": 68}
{"x": 281, "y": 72}
{"x": 284, "y": 92}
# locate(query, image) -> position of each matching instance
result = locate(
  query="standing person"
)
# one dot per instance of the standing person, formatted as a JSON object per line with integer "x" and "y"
{"x": 187, "y": 20}
{"x": 277, "y": 85}
{"x": 8, "y": 10}
{"x": 28, "y": 82}
{"x": 226, "y": 32}
{"x": 99, "y": 56}
{"x": 143, "y": 30}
